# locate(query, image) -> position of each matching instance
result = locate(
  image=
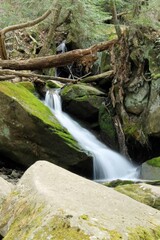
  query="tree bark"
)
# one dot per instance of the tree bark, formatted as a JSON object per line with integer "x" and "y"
{"x": 62, "y": 59}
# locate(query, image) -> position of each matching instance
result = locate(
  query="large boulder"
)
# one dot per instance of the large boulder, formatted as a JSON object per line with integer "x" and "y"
{"x": 51, "y": 203}
{"x": 82, "y": 101}
{"x": 29, "y": 131}
{"x": 151, "y": 169}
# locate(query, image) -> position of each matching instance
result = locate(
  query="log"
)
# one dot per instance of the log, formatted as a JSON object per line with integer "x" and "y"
{"x": 10, "y": 74}
{"x": 62, "y": 59}
{"x": 105, "y": 75}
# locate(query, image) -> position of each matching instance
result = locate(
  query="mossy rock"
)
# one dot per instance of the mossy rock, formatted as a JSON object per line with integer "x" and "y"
{"x": 53, "y": 84}
{"x": 29, "y": 131}
{"x": 140, "y": 193}
{"x": 155, "y": 162}
{"x": 42, "y": 206}
{"x": 83, "y": 101}
{"x": 151, "y": 169}
{"x": 28, "y": 85}
{"x": 107, "y": 129}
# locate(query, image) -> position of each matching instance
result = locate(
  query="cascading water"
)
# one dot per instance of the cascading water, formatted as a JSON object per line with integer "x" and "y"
{"x": 107, "y": 164}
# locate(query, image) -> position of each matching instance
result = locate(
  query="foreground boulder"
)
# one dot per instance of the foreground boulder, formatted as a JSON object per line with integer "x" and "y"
{"x": 52, "y": 203}
{"x": 5, "y": 189}
{"x": 29, "y": 131}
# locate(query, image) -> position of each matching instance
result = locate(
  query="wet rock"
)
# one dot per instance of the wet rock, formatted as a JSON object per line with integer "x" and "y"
{"x": 82, "y": 101}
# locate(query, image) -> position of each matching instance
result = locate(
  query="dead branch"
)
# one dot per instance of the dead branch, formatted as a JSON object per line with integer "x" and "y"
{"x": 3, "y": 52}
{"x": 62, "y": 59}
{"x": 11, "y": 73}
{"x": 114, "y": 17}
{"x": 106, "y": 75}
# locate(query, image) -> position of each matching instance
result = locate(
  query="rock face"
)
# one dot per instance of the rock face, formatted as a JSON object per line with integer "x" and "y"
{"x": 152, "y": 121}
{"x": 151, "y": 169}
{"x": 52, "y": 203}
{"x": 87, "y": 104}
{"x": 29, "y": 131}
{"x": 136, "y": 102}
{"x": 82, "y": 101}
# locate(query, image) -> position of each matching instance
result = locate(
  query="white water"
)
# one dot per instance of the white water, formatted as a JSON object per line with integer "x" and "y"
{"x": 107, "y": 164}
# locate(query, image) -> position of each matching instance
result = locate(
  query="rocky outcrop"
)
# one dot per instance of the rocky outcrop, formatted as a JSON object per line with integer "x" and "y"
{"x": 29, "y": 131}
{"x": 52, "y": 203}
{"x": 151, "y": 169}
{"x": 82, "y": 101}
{"x": 152, "y": 120}
{"x": 137, "y": 99}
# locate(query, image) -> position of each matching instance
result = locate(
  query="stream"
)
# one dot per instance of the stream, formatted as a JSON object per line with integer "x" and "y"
{"x": 108, "y": 165}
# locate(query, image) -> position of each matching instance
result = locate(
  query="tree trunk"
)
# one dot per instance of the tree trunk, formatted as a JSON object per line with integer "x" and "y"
{"x": 62, "y": 59}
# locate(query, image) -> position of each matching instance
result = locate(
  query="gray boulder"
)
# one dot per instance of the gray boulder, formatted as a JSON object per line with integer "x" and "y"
{"x": 52, "y": 203}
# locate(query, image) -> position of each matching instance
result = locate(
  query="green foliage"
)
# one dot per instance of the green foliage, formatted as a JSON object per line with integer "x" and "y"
{"x": 148, "y": 15}
{"x": 155, "y": 162}
{"x": 84, "y": 21}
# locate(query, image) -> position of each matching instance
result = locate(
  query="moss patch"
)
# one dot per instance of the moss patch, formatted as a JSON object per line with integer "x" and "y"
{"x": 140, "y": 194}
{"x": 28, "y": 85}
{"x": 36, "y": 108}
{"x": 141, "y": 233}
{"x": 155, "y": 162}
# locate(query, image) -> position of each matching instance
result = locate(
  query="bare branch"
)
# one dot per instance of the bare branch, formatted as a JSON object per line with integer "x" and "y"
{"x": 3, "y": 52}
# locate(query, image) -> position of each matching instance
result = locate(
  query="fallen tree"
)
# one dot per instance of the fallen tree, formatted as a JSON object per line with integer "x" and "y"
{"x": 8, "y": 74}
{"x": 62, "y": 59}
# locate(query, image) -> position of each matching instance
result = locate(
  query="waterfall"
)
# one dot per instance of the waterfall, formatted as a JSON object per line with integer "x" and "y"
{"x": 107, "y": 164}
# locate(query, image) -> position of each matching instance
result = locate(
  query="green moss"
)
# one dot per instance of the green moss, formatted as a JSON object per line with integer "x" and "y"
{"x": 106, "y": 123}
{"x": 58, "y": 228}
{"x": 155, "y": 162}
{"x": 141, "y": 233}
{"x": 134, "y": 129}
{"x": 84, "y": 217}
{"x": 33, "y": 221}
{"x": 155, "y": 76}
{"x": 117, "y": 182}
{"x": 53, "y": 84}
{"x": 140, "y": 194}
{"x": 71, "y": 92}
{"x": 28, "y": 85}
{"x": 36, "y": 108}
{"x": 114, "y": 235}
